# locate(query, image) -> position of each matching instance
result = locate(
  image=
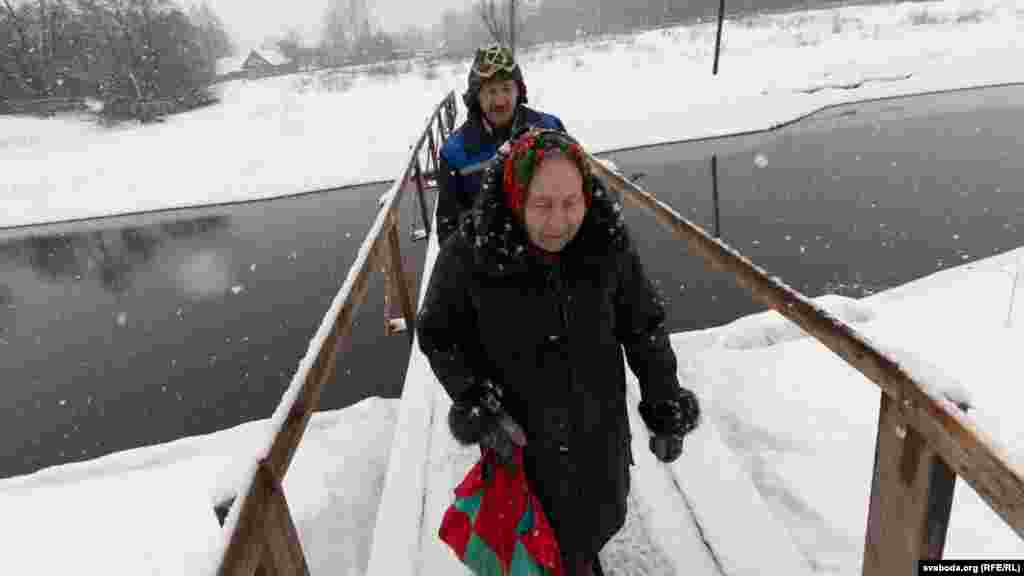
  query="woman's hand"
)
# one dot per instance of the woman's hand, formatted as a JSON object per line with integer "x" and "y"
{"x": 479, "y": 417}
{"x": 503, "y": 439}
{"x": 669, "y": 422}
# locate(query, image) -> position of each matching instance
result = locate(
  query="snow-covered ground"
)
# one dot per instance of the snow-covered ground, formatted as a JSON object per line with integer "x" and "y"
{"x": 150, "y": 510}
{"x": 309, "y": 131}
{"x": 789, "y": 436}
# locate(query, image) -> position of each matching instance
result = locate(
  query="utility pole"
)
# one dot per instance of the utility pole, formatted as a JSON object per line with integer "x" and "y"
{"x": 718, "y": 37}
{"x": 512, "y": 25}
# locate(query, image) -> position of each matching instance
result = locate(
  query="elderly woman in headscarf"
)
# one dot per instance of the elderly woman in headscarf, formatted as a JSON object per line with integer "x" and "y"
{"x": 528, "y": 311}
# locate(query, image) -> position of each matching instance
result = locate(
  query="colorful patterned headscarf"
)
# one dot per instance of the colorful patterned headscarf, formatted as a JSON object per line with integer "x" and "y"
{"x": 527, "y": 151}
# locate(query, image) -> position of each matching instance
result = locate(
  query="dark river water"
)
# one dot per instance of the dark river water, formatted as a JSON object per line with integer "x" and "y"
{"x": 124, "y": 332}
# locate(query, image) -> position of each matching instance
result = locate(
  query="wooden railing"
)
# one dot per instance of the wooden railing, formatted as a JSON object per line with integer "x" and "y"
{"x": 925, "y": 439}
{"x": 260, "y": 533}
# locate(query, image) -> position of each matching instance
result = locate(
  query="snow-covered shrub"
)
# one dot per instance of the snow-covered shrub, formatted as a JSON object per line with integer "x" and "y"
{"x": 924, "y": 17}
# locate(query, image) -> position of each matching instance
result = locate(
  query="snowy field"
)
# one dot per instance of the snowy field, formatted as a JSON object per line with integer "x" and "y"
{"x": 789, "y": 434}
{"x": 311, "y": 131}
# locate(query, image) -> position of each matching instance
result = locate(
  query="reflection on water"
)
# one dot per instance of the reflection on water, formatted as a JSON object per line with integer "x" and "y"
{"x": 109, "y": 257}
{"x": 137, "y": 330}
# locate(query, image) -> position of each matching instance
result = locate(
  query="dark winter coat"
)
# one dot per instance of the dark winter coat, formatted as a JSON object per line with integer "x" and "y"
{"x": 552, "y": 337}
{"x": 462, "y": 163}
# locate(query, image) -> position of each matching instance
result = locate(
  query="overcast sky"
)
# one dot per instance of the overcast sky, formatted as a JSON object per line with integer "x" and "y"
{"x": 250, "y": 21}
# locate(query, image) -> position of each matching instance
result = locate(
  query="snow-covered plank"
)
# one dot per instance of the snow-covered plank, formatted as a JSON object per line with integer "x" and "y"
{"x": 396, "y": 533}
{"x": 716, "y": 521}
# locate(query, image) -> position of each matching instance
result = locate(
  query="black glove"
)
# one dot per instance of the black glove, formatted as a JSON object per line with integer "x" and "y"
{"x": 669, "y": 422}
{"x": 478, "y": 417}
{"x": 667, "y": 447}
{"x": 503, "y": 439}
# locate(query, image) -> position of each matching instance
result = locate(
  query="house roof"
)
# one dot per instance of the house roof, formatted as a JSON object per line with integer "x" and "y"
{"x": 270, "y": 55}
{"x": 234, "y": 63}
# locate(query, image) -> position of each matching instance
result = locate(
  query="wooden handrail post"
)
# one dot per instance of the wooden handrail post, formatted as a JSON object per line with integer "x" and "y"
{"x": 439, "y": 127}
{"x": 714, "y": 193}
{"x": 418, "y": 176}
{"x": 432, "y": 153}
{"x": 450, "y": 113}
{"x": 244, "y": 552}
{"x": 282, "y": 553}
{"x": 400, "y": 280}
{"x": 911, "y": 498}
{"x": 383, "y": 261}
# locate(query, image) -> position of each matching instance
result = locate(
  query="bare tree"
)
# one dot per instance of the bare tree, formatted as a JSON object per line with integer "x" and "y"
{"x": 493, "y": 18}
{"x": 213, "y": 36}
{"x": 29, "y": 74}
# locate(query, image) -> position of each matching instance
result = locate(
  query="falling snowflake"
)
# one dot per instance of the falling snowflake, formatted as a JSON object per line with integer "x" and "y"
{"x": 760, "y": 161}
{"x": 122, "y": 319}
{"x": 237, "y": 289}
{"x": 252, "y": 268}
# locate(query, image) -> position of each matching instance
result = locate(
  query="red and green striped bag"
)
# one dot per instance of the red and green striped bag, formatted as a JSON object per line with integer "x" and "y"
{"x": 496, "y": 525}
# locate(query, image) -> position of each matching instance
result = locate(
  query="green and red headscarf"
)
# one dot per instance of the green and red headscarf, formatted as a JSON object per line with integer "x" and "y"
{"x": 527, "y": 151}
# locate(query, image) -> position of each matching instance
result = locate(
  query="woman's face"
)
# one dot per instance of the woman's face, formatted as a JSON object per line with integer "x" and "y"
{"x": 554, "y": 207}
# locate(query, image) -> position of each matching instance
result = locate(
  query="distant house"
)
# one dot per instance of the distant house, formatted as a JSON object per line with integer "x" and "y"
{"x": 259, "y": 62}
{"x": 262, "y": 61}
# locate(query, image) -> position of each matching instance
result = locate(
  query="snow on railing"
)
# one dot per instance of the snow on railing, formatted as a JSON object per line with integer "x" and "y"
{"x": 925, "y": 437}
{"x": 259, "y": 529}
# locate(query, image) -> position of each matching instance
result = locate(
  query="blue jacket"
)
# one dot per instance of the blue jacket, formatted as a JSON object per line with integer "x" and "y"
{"x": 462, "y": 162}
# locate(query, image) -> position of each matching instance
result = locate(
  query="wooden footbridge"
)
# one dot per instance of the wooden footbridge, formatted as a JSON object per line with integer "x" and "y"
{"x": 924, "y": 441}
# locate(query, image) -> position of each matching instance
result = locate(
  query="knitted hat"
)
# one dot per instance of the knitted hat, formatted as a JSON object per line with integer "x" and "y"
{"x": 492, "y": 62}
{"x": 526, "y": 151}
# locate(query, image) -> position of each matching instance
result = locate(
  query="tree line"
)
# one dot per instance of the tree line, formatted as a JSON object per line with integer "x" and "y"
{"x": 348, "y": 36}
{"x": 112, "y": 50}
{"x": 459, "y": 32}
